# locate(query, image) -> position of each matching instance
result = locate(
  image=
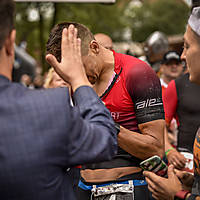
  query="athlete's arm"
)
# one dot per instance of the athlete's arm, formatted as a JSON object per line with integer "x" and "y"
{"x": 144, "y": 145}
{"x": 144, "y": 88}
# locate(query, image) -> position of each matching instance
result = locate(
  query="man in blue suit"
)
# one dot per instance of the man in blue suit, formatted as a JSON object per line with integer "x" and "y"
{"x": 41, "y": 134}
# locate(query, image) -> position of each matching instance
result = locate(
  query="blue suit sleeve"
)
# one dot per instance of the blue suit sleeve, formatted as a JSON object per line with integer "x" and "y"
{"x": 93, "y": 136}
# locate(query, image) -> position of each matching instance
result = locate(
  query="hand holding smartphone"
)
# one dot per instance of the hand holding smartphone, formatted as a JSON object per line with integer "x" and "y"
{"x": 156, "y": 165}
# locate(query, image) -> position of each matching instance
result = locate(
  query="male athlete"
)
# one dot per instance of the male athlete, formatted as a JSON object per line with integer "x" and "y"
{"x": 131, "y": 91}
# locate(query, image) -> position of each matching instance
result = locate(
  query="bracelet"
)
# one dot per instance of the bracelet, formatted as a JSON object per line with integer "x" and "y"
{"x": 168, "y": 150}
{"x": 182, "y": 194}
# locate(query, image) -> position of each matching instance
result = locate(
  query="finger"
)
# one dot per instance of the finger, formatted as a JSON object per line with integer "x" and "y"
{"x": 179, "y": 163}
{"x": 79, "y": 46}
{"x": 75, "y": 38}
{"x": 183, "y": 160}
{"x": 152, "y": 187}
{"x": 173, "y": 161}
{"x": 152, "y": 176}
{"x": 177, "y": 172}
{"x": 71, "y": 35}
{"x": 154, "y": 193}
{"x": 51, "y": 59}
{"x": 175, "y": 164}
{"x": 156, "y": 197}
{"x": 64, "y": 42}
{"x": 171, "y": 171}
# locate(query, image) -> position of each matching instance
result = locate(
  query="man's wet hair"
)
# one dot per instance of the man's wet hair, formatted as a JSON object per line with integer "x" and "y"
{"x": 54, "y": 42}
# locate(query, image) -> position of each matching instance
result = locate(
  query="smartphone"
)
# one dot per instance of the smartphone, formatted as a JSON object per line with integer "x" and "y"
{"x": 156, "y": 165}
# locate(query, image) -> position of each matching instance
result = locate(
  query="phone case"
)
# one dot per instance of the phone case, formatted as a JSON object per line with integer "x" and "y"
{"x": 155, "y": 164}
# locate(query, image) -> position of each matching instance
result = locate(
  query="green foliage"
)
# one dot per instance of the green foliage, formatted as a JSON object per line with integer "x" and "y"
{"x": 98, "y": 17}
{"x": 27, "y": 30}
{"x": 168, "y": 16}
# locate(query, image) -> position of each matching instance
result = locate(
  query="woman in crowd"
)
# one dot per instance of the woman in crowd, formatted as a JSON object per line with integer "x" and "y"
{"x": 189, "y": 186}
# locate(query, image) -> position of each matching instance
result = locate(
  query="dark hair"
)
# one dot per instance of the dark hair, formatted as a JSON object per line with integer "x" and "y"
{"x": 7, "y": 13}
{"x": 54, "y": 42}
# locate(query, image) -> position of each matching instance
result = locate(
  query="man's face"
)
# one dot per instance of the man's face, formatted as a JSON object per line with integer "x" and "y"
{"x": 92, "y": 64}
{"x": 172, "y": 69}
{"x": 191, "y": 54}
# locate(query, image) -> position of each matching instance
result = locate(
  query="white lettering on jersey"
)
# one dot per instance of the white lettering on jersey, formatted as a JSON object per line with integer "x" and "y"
{"x": 149, "y": 103}
{"x": 115, "y": 115}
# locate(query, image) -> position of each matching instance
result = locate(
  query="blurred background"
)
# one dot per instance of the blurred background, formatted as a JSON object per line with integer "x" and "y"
{"x": 133, "y": 25}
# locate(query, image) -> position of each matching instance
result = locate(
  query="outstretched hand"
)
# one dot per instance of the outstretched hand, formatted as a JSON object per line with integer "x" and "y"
{"x": 71, "y": 67}
{"x": 163, "y": 188}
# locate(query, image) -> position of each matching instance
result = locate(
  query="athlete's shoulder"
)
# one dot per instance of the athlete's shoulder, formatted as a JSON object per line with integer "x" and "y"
{"x": 133, "y": 64}
{"x": 132, "y": 61}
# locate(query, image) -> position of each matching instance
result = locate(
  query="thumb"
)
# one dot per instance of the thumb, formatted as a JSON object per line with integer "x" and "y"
{"x": 170, "y": 172}
{"x": 51, "y": 59}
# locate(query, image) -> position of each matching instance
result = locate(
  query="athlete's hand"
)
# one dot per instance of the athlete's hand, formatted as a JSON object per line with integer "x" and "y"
{"x": 163, "y": 188}
{"x": 71, "y": 67}
{"x": 177, "y": 159}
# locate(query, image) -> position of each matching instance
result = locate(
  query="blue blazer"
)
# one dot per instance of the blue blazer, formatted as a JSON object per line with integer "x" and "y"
{"x": 41, "y": 136}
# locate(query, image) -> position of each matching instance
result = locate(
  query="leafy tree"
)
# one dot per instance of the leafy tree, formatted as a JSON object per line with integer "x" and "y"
{"x": 167, "y": 16}
{"x": 98, "y": 17}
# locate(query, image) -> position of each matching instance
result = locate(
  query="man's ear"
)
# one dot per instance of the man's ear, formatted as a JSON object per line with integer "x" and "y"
{"x": 94, "y": 47}
{"x": 10, "y": 43}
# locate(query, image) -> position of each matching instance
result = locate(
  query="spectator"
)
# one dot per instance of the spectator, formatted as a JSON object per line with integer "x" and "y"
{"x": 104, "y": 40}
{"x": 53, "y": 80}
{"x": 41, "y": 134}
{"x": 167, "y": 188}
{"x": 26, "y": 81}
{"x": 171, "y": 68}
{"x": 181, "y": 101}
{"x": 156, "y": 45}
{"x": 38, "y": 81}
{"x": 131, "y": 91}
